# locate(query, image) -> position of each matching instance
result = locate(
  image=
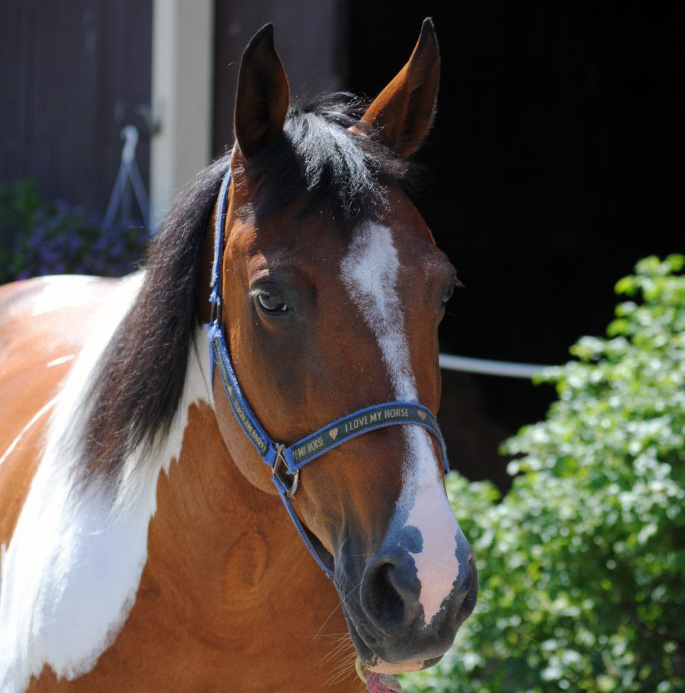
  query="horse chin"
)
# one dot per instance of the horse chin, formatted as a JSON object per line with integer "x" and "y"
{"x": 393, "y": 668}
{"x": 374, "y": 663}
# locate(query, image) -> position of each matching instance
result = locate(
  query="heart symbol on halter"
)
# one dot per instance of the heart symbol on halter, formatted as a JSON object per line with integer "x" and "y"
{"x": 422, "y": 415}
{"x": 333, "y": 433}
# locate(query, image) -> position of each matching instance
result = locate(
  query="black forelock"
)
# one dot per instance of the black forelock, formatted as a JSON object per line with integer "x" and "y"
{"x": 319, "y": 159}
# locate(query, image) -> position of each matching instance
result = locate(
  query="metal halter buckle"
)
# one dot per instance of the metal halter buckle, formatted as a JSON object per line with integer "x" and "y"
{"x": 290, "y": 486}
{"x": 215, "y": 310}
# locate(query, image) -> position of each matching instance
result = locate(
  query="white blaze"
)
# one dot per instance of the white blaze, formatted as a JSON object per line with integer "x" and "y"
{"x": 370, "y": 271}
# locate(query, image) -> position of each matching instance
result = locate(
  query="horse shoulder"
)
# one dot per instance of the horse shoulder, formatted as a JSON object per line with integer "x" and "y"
{"x": 47, "y": 327}
{"x": 43, "y": 324}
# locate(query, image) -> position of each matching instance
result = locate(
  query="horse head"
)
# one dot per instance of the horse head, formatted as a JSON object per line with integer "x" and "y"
{"x": 332, "y": 289}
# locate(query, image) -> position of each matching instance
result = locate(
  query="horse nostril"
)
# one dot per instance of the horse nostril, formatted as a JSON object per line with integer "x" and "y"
{"x": 389, "y": 592}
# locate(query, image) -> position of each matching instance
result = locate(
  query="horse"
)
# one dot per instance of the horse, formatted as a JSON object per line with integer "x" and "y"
{"x": 223, "y": 472}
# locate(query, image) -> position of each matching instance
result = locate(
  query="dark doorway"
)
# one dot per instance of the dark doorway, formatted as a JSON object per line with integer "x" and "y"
{"x": 557, "y": 162}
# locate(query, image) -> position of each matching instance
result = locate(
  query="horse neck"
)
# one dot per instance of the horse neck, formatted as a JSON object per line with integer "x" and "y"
{"x": 205, "y": 508}
{"x": 187, "y": 476}
{"x": 222, "y": 551}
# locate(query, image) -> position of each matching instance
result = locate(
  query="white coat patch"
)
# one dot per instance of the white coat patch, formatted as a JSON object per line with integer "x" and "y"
{"x": 62, "y": 359}
{"x": 370, "y": 271}
{"x": 60, "y": 291}
{"x": 71, "y": 571}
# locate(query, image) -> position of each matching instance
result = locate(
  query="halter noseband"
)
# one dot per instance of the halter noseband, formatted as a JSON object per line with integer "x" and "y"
{"x": 286, "y": 461}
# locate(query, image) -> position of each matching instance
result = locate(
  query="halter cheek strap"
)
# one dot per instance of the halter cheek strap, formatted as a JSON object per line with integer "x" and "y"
{"x": 286, "y": 461}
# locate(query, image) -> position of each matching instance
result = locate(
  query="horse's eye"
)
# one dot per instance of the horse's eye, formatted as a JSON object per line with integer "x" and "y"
{"x": 271, "y": 302}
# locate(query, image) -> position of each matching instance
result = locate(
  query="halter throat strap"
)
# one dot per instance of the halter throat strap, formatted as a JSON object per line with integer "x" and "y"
{"x": 286, "y": 461}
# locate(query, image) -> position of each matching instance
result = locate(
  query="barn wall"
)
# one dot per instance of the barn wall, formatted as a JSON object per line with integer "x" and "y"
{"x": 74, "y": 72}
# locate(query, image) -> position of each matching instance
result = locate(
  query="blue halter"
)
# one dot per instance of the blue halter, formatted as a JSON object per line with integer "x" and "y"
{"x": 286, "y": 461}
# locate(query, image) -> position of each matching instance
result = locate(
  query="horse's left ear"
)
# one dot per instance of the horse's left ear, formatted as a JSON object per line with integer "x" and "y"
{"x": 403, "y": 112}
{"x": 263, "y": 95}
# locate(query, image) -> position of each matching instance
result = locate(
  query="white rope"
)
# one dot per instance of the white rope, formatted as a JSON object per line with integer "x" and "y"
{"x": 487, "y": 367}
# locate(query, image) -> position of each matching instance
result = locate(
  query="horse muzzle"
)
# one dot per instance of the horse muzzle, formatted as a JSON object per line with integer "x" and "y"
{"x": 386, "y": 614}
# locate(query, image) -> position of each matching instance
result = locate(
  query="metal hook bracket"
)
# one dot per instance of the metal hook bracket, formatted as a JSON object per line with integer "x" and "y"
{"x": 277, "y": 471}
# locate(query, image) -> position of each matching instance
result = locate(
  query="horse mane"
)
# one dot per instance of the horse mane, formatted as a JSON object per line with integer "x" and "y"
{"x": 137, "y": 386}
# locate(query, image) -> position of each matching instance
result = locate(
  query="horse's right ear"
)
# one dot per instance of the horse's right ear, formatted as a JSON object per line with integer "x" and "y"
{"x": 263, "y": 96}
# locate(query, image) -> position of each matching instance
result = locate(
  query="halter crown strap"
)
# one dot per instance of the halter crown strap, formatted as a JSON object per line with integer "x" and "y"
{"x": 219, "y": 223}
{"x": 286, "y": 461}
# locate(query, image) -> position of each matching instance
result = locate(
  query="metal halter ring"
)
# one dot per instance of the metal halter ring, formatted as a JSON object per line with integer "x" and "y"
{"x": 215, "y": 311}
{"x": 289, "y": 486}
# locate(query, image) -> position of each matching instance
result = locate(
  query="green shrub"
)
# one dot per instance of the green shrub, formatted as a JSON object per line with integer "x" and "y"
{"x": 41, "y": 237}
{"x": 582, "y": 564}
